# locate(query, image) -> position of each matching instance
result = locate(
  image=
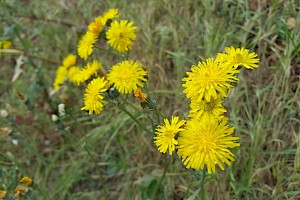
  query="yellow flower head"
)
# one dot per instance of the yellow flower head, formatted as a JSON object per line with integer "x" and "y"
{"x": 120, "y": 35}
{"x": 88, "y": 71}
{"x": 61, "y": 74}
{"x": 73, "y": 74}
{"x": 127, "y": 76}
{"x": 86, "y": 44}
{"x": 99, "y": 22}
{"x": 140, "y": 95}
{"x": 93, "y": 99}
{"x": 207, "y": 110}
{"x": 110, "y": 14}
{"x": 206, "y": 143}
{"x": 239, "y": 57}
{"x": 5, "y": 44}
{"x": 69, "y": 60}
{"x": 20, "y": 190}
{"x": 165, "y": 135}
{"x": 2, "y": 194}
{"x": 208, "y": 79}
{"x": 26, "y": 180}
{"x": 97, "y": 25}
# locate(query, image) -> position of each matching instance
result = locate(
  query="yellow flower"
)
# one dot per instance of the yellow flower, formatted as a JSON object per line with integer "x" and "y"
{"x": 239, "y": 57}
{"x": 165, "y": 135}
{"x": 206, "y": 143}
{"x": 88, "y": 71}
{"x": 140, "y": 95}
{"x": 127, "y": 76}
{"x": 2, "y": 194}
{"x": 110, "y": 14}
{"x": 26, "y": 180}
{"x": 93, "y": 99}
{"x": 208, "y": 79}
{"x": 207, "y": 110}
{"x": 61, "y": 74}
{"x": 97, "y": 25}
{"x": 5, "y": 44}
{"x": 86, "y": 44}
{"x": 99, "y": 22}
{"x": 20, "y": 190}
{"x": 69, "y": 60}
{"x": 120, "y": 35}
{"x": 73, "y": 74}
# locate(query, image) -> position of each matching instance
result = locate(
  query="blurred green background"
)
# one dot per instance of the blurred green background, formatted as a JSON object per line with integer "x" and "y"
{"x": 107, "y": 156}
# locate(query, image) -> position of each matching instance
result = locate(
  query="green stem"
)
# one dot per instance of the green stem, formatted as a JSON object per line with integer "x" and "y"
{"x": 161, "y": 178}
{"x": 202, "y": 185}
{"x": 152, "y": 124}
{"x": 132, "y": 117}
{"x": 108, "y": 51}
{"x": 159, "y": 113}
{"x": 125, "y": 100}
{"x": 127, "y": 55}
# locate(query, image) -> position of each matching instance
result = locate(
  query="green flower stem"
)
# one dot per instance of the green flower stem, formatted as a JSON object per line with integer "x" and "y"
{"x": 161, "y": 178}
{"x": 132, "y": 106}
{"x": 202, "y": 185}
{"x": 157, "y": 117}
{"x": 127, "y": 55}
{"x": 122, "y": 107}
{"x": 108, "y": 51}
{"x": 159, "y": 113}
{"x": 135, "y": 108}
{"x": 152, "y": 124}
{"x": 125, "y": 100}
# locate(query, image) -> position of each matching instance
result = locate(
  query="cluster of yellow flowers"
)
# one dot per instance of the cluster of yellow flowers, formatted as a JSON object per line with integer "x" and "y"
{"x": 119, "y": 34}
{"x": 126, "y": 76}
{"x": 67, "y": 69}
{"x": 205, "y": 139}
{"x": 20, "y": 190}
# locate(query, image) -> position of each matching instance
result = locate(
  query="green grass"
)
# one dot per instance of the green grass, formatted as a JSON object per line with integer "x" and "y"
{"x": 109, "y": 155}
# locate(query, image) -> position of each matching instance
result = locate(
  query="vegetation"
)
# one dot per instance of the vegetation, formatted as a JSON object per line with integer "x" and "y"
{"x": 108, "y": 156}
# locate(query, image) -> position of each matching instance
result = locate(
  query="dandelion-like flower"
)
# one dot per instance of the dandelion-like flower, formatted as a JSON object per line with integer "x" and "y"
{"x": 138, "y": 93}
{"x": 207, "y": 110}
{"x": 73, "y": 74}
{"x": 120, "y": 35}
{"x": 88, "y": 71}
{"x": 2, "y": 194}
{"x": 165, "y": 137}
{"x": 5, "y": 44}
{"x": 20, "y": 190}
{"x": 127, "y": 76}
{"x": 110, "y": 14}
{"x": 206, "y": 143}
{"x": 26, "y": 180}
{"x": 93, "y": 99}
{"x": 86, "y": 44}
{"x": 97, "y": 25}
{"x": 239, "y": 57}
{"x": 99, "y": 22}
{"x": 61, "y": 74}
{"x": 208, "y": 79}
{"x": 69, "y": 60}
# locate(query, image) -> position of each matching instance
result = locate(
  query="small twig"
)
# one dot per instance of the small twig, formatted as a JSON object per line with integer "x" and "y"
{"x": 17, "y": 51}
